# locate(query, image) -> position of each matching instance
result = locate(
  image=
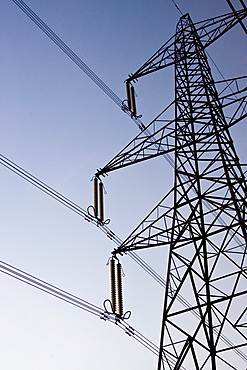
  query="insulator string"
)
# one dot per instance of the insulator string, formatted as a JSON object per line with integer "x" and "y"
{"x": 96, "y": 200}
{"x": 101, "y": 201}
{"x": 120, "y": 290}
{"x": 113, "y": 284}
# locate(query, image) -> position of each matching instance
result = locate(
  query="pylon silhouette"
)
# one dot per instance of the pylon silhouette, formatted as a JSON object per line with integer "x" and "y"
{"x": 202, "y": 220}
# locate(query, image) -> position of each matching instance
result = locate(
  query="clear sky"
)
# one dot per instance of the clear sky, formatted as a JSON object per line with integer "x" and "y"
{"x": 58, "y": 125}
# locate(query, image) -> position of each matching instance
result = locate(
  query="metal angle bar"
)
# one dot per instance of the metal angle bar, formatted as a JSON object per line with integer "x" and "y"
{"x": 227, "y": 21}
{"x": 237, "y": 16}
{"x": 214, "y": 302}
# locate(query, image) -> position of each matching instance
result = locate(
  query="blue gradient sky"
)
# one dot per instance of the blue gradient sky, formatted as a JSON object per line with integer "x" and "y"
{"x": 58, "y": 125}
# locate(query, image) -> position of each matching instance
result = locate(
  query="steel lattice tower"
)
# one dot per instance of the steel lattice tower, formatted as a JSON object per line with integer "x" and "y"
{"x": 202, "y": 220}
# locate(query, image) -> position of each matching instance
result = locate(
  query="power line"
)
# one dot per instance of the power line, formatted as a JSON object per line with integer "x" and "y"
{"x": 57, "y": 196}
{"x": 75, "y": 208}
{"x": 78, "y": 61}
{"x": 78, "y": 302}
{"x": 81, "y": 212}
{"x": 88, "y": 72}
{"x": 74, "y": 57}
{"x": 177, "y": 7}
{"x": 78, "y": 210}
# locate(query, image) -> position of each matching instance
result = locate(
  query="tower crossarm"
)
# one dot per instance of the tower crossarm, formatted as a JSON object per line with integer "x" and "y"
{"x": 208, "y": 30}
{"x": 158, "y": 138}
{"x": 143, "y": 147}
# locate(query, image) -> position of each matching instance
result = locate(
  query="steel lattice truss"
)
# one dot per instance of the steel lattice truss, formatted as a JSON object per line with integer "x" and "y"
{"x": 202, "y": 220}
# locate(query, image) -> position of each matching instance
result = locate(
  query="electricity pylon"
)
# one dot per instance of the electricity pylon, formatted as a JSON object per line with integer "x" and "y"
{"x": 202, "y": 220}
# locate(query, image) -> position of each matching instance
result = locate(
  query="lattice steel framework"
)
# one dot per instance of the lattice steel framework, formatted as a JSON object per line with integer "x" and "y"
{"x": 202, "y": 220}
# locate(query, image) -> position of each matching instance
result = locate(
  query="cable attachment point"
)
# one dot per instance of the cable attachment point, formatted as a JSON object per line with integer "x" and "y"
{"x": 108, "y": 306}
{"x": 91, "y": 213}
{"x": 124, "y": 105}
